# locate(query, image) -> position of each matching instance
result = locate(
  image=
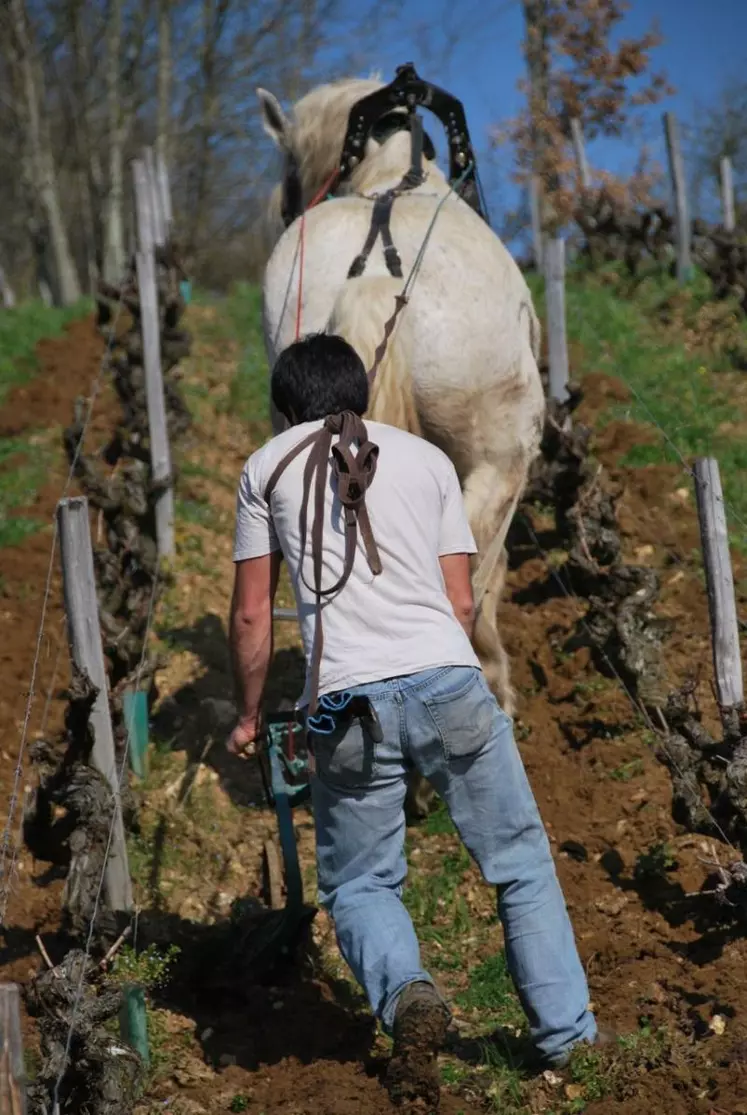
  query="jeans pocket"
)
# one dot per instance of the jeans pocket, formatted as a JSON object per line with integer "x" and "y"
{"x": 346, "y": 758}
{"x": 463, "y": 710}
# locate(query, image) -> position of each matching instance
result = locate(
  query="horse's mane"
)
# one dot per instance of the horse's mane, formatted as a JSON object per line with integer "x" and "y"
{"x": 318, "y": 125}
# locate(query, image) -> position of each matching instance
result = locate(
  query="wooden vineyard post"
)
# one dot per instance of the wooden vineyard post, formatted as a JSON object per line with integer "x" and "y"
{"x": 727, "y": 194}
{"x": 534, "y": 206}
{"x": 164, "y": 192}
{"x": 6, "y": 291}
{"x": 156, "y": 204}
{"x": 557, "y": 343}
{"x": 84, "y": 636}
{"x": 159, "y": 438}
{"x": 12, "y": 1066}
{"x": 284, "y": 613}
{"x": 727, "y": 662}
{"x": 679, "y": 190}
{"x": 577, "y": 136}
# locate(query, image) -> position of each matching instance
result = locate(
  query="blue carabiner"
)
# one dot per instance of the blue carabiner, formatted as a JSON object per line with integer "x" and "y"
{"x": 336, "y": 702}
{"x": 322, "y": 724}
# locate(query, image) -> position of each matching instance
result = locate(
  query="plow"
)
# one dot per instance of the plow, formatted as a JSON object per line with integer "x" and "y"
{"x": 285, "y": 763}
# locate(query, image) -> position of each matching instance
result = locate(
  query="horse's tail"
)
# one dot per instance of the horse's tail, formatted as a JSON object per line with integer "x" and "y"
{"x": 360, "y": 314}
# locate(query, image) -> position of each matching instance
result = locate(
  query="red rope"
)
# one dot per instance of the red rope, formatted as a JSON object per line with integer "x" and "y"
{"x": 314, "y": 201}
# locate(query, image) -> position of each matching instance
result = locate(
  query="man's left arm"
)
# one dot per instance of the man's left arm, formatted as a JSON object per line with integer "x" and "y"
{"x": 255, "y": 584}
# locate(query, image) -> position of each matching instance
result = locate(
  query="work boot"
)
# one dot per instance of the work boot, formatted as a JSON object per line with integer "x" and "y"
{"x": 420, "y": 1023}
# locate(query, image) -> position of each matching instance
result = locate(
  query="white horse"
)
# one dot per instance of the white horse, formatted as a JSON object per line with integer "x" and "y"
{"x": 460, "y": 368}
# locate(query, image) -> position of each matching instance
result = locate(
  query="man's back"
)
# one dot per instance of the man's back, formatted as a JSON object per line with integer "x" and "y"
{"x": 401, "y": 621}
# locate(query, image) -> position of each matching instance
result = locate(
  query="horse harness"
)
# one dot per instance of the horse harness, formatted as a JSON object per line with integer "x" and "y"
{"x": 379, "y": 116}
{"x": 390, "y": 109}
{"x": 354, "y": 475}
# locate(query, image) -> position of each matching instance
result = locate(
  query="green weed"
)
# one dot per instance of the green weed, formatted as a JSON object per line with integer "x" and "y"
{"x": 433, "y": 897}
{"x": 148, "y": 968}
{"x": 626, "y": 771}
{"x": 587, "y": 1069}
{"x": 491, "y": 990}
{"x": 505, "y": 1089}
{"x": 655, "y": 862}
{"x": 438, "y": 822}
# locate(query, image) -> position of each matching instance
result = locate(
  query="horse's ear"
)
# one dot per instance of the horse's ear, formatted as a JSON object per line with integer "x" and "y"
{"x": 274, "y": 120}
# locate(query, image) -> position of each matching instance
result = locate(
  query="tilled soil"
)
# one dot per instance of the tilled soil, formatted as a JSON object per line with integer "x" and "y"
{"x": 38, "y": 411}
{"x": 654, "y": 948}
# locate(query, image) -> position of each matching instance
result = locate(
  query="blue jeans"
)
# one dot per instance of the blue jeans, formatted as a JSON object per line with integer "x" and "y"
{"x": 448, "y": 724}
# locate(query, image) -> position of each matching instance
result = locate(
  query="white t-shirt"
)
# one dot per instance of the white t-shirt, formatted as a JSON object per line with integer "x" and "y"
{"x": 399, "y": 622}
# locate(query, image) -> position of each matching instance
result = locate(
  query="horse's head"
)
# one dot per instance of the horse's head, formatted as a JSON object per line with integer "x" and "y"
{"x": 311, "y": 138}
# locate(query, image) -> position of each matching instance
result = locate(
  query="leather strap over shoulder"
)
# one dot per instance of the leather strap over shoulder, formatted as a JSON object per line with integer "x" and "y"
{"x": 354, "y": 474}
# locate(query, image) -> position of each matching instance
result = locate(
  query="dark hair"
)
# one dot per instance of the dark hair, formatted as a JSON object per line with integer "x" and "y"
{"x": 319, "y": 375}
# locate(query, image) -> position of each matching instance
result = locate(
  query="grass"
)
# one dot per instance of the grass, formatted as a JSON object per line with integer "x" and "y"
{"x": 24, "y": 463}
{"x": 239, "y": 316}
{"x": 196, "y": 510}
{"x": 21, "y": 330}
{"x": 626, "y": 771}
{"x": 634, "y": 332}
{"x": 491, "y": 991}
{"x": 23, "y": 467}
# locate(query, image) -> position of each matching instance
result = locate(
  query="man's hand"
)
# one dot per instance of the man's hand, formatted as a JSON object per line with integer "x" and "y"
{"x": 243, "y": 739}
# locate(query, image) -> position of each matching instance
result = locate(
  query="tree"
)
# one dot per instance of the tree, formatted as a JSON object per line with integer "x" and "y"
{"x": 86, "y": 84}
{"x": 164, "y": 80}
{"x": 114, "y": 237}
{"x": 38, "y": 159}
{"x": 575, "y": 71}
{"x": 718, "y": 130}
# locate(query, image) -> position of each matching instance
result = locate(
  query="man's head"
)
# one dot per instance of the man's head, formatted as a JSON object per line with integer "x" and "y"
{"x": 319, "y": 375}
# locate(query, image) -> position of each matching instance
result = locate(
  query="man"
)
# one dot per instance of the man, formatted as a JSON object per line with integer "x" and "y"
{"x": 396, "y": 636}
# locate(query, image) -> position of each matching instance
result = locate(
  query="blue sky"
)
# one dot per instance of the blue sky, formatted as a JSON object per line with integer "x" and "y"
{"x": 705, "y": 44}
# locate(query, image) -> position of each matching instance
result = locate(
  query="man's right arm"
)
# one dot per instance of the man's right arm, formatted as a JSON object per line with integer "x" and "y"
{"x": 456, "y": 545}
{"x": 456, "y": 573}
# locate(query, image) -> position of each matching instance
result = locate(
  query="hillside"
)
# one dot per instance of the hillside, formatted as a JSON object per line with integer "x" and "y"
{"x": 659, "y": 369}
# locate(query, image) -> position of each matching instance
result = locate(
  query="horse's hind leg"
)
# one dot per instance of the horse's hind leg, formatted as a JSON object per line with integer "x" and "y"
{"x": 491, "y": 496}
{"x": 488, "y": 644}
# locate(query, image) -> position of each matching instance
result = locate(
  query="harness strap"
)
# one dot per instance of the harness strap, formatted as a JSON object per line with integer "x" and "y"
{"x": 380, "y": 217}
{"x": 354, "y": 475}
{"x": 400, "y": 301}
